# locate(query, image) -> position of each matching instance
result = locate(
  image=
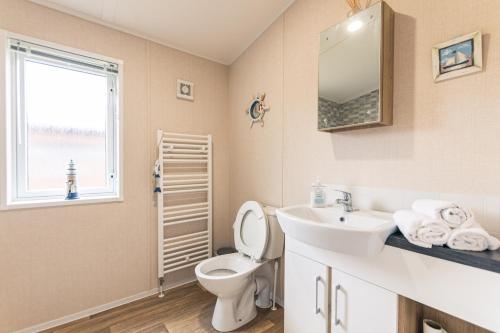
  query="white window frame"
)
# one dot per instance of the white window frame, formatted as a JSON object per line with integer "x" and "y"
{"x": 13, "y": 142}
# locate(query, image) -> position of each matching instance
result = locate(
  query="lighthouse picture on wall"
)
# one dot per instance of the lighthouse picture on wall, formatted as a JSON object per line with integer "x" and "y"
{"x": 71, "y": 190}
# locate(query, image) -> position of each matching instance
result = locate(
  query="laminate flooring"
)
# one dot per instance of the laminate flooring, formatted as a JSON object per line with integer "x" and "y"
{"x": 187, "y": 309}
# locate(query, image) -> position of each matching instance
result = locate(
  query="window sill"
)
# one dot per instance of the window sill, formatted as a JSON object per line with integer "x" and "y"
{"x": 60, "y": 202}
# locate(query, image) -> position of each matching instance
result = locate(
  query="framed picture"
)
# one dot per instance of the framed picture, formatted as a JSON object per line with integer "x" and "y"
{"x": 457, "y": 57}
{"x": 185, "y": 89}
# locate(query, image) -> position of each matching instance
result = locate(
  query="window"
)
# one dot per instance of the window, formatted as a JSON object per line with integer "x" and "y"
{"x": 63, "y": 106}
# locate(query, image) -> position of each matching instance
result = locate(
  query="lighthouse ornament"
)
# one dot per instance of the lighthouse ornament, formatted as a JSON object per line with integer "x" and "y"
{"x": 71, "y": 191}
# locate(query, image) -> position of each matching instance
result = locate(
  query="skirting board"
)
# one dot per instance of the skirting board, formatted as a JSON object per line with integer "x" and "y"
{"x": 95, "y": 310}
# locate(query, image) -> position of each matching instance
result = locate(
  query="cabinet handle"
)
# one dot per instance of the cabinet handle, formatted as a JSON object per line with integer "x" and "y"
{"x": 317, "y": 309}
{"x": 337, "y": 320}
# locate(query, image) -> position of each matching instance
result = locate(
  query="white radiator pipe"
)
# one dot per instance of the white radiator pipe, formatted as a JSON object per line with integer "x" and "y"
{"x": 276, "y": 268}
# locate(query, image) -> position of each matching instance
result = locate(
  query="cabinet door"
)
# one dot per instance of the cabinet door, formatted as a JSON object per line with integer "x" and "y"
{"x": 360, "y": 307}
{"x": 306, "y": 295}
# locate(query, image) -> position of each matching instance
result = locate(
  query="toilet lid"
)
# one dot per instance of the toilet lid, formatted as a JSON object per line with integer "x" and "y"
{"x": 251, "y": 230}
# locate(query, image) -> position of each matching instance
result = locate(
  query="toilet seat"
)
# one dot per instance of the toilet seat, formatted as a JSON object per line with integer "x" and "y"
{"x": 226, "y": 274}
{"x": 251, "y": 230}
{"x": 226, "y": 266}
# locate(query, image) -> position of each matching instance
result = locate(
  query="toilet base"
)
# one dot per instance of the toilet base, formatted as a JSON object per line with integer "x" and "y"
{"x": 234, "y": 312}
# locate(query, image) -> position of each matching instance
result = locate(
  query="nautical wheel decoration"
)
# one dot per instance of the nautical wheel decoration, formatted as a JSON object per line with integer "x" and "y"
{"x": 257, "y": 110}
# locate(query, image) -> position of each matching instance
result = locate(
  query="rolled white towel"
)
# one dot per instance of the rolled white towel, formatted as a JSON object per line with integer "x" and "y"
{"x": 457, "y": 217}
{"x": 472, "y": 239}
{"x": 435, "y": 232}
{"x": 420, "y": 230}
{"x": 451, "y": 213}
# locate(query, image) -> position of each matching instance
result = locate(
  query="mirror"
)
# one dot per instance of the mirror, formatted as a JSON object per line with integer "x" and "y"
{"x": 356, "y": 71}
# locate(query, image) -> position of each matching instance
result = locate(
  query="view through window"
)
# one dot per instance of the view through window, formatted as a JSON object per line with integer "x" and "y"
{"x": 66, "y": 119}
{"x": 65, "y": 107}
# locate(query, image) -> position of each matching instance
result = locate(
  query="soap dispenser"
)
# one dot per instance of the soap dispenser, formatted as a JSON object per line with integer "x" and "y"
{"x": 318, "y": 194}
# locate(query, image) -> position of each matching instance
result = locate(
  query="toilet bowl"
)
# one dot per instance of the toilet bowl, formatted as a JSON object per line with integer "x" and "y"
{"x": 232, "y": 277}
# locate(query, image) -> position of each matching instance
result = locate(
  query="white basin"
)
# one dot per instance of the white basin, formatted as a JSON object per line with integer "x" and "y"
{"x": 361, "y": 233}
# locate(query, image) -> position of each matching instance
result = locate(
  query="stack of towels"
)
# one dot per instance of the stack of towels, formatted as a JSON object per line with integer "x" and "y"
{"x": 435, "y": 222}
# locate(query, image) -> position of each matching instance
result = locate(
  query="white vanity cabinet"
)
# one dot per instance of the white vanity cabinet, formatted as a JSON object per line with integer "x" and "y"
{"x": 307, "y": 284}
{"x": 319, "y": 299}
{"x": 359, "y": 306}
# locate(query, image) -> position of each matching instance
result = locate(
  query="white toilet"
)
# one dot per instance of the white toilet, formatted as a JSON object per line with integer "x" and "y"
{"x": 231, "y": 277}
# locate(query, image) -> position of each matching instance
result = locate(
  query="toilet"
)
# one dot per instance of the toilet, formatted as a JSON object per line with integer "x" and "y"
{"x": 239, "y": 280}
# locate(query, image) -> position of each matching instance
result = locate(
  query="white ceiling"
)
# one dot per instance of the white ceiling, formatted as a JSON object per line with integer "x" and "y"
{"x": 218, "y": 30}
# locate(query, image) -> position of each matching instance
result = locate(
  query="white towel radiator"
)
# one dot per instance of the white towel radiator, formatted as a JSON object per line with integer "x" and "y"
{"x": 183, "y": 174}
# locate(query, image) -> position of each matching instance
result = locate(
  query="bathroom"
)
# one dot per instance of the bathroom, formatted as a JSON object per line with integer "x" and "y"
{"x": 91, "y": 265}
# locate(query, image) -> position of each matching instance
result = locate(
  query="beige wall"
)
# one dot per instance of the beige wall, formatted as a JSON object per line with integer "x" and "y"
{"x": 207, "y": 114}
{"x": 444, "y": 137}
{"x": 59, "y": 261}
{"x": 256, "y": 154}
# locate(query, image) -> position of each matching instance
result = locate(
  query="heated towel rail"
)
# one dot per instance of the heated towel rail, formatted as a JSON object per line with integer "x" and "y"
{"x": 183, "y": 174}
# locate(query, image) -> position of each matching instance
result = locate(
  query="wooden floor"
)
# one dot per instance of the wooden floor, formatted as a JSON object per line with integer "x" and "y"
{"x": 186, "y": 309}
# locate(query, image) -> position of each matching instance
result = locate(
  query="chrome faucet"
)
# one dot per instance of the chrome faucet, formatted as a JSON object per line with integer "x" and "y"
{"x": 346, "y": 201}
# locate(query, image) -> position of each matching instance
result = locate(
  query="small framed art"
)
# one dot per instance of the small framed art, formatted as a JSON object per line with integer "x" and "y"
{"x": 457, "y": 57}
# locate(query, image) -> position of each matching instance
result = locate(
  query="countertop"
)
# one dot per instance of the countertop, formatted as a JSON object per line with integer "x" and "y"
{"x": 487, "y": 260}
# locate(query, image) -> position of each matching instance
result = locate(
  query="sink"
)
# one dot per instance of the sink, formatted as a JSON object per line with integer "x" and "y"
{"x": 361, "y": 233}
